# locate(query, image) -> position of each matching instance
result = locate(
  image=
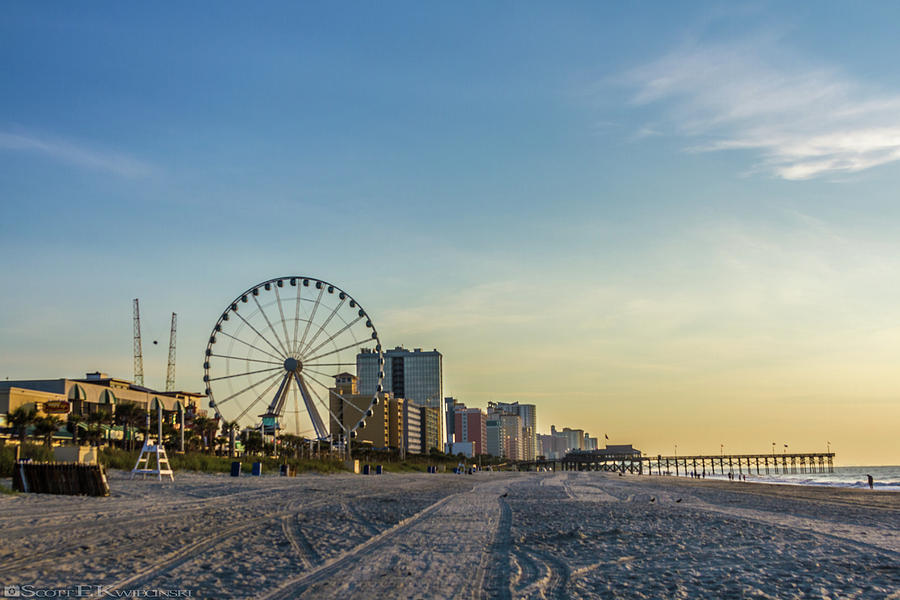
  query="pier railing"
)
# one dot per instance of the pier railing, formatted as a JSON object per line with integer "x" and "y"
{"x": 703, "y": 464}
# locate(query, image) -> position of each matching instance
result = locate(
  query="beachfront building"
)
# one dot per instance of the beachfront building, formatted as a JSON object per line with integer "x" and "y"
{"x": 95, "y": 393}
{"x": 467, "y": 449}
{"x": 450, "y": 405}
{"x": 551, "y": 446}
{"x": 470, "y": 425}
{"x": 347, "y": 406}
{"x": 432, "y": 429}
{"x": 415, "y": 375}
{"x": 559, "y": 442}
{"x": 573, "y": 438}
{"x": 412, "y": 427}
{"x": 528, "y": 433}
{"x": 504, "y": 436}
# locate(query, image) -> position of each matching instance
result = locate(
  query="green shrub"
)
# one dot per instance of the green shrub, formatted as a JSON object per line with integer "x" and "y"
{"x": 115, "y": 458}
{"x": 37, "y": 452}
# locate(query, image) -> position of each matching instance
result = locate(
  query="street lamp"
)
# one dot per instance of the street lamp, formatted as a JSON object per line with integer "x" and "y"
{"x": 722, "y": 449}
{"x": 773, "y": 448}
{"x": 829, "y": 447}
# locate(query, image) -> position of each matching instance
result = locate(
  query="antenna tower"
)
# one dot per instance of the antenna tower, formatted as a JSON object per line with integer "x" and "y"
{"x": 138, "y": 353}
{"x": 170, "y": 371}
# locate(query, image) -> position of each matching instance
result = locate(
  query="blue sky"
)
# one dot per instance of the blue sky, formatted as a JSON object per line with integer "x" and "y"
{"x": 686, "y": 212}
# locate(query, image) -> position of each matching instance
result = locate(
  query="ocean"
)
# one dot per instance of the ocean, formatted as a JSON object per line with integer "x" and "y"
{"x": 886, "y": 478}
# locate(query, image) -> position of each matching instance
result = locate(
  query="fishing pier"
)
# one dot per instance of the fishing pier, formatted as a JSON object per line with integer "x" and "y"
{"x": 710, "y": 464}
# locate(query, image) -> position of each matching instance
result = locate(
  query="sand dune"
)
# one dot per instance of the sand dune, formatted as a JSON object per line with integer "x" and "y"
{"x": 491, "y": 535}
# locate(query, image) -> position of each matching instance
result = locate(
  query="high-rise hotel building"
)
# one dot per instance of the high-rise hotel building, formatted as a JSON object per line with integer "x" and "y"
{"x": 415, "y": 375}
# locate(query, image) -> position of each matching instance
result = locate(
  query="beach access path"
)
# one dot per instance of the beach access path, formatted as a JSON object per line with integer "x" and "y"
{"x": 488, "y": 535}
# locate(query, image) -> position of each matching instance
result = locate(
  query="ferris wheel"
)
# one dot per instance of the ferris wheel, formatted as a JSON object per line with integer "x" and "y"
{"x": 275, "y": 351}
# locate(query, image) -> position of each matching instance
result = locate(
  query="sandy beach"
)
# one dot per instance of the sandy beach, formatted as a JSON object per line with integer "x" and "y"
{"x": 490, "y": 535}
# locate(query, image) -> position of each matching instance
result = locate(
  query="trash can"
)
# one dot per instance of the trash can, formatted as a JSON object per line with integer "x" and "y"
{"x": 378, "y": 470}
{"x": 236, "y": 469}
{"x": 365, "y": 469}
{"x": 284, "y": 470}
{"x": 257, "y": 468}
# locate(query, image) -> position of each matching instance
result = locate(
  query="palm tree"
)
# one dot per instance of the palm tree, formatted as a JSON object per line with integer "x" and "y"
{"x": 46, "y": 427}
{"x": 253, "y": 441}
{"x": 72, "y": 425}
{"x": 21, "y": 418}
{"x": 231, "y": 429}
{"x": 96, "y": 421}
{"x": 130, "y": 416}
{"x": 206, "y": 428}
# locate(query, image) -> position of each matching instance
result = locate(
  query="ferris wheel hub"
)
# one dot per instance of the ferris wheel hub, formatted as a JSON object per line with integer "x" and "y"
{"x": 291, "y": 364}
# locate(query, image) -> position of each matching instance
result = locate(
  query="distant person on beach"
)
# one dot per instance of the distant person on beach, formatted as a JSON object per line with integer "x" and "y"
{"x": 871, "y": 482}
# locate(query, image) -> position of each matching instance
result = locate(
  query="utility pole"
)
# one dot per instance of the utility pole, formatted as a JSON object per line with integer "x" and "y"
{"x": 170, "y": 371}
{"x": 138, "y": 353}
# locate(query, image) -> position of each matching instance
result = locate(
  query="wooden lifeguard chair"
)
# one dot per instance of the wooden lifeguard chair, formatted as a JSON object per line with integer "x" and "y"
{"x": 162, "y": 462}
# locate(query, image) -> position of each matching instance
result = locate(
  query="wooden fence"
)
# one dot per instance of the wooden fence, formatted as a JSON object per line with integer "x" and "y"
{"x": 60, "y": 478}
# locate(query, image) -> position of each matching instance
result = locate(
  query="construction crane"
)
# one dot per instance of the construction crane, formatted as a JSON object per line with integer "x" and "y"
{"x": 138, "y": 353}
{"x": 170, "y": 371}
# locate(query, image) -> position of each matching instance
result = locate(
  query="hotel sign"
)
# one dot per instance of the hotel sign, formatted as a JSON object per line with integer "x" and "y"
{"x": 53, "y": 407}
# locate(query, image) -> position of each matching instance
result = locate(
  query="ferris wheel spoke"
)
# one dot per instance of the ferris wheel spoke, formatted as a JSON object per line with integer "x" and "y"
{"x": 307, "y": 369}
{"x": 328, "y": 408}
{"x": 246, "y": 389}
{"x": 296, "y": 409}
{"x": 332, "y": 391}
{"x": 329, "y": 353}
{"x": 269, "y": 323}
{"x": 268, "y": 362}
{"x": 258, "y": 398}
{"x": 257, "y": 348}
{"x": 336, "y": 334}
{"x": 337, "y": 364}
{"x": 264, "y": 338}
{"x": 296, "y": 318}
{"x": 281, "y": 312}
{"x": 318, "y": 424}
{"x": 324, "y": 325}
{"x": 242, "y": 374}
{"x": 312, "y": 316}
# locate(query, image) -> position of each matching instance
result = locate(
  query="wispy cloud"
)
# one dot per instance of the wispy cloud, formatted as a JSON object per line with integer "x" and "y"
{"x": 805, "y": 120}
{"x": 75, "y": 154}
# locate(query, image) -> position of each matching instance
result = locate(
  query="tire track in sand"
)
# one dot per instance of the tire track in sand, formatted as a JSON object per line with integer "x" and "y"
{"x": 494, "y": 571}
{"x": 553, "y": 579}
{"x": 197, "y": 549}
{"x": 379, "y": 564}
{"x": 297, "y": 585}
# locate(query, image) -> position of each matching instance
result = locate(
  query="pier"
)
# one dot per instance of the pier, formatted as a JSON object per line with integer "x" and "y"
{"x": 710, "y": 464}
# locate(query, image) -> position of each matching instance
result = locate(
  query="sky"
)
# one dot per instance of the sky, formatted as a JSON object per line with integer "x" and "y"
{"x": 666, "y": 223}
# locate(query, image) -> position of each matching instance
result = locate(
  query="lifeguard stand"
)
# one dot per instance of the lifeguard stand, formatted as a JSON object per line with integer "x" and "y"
{"x": 150, "y": 448}
{"x": 162, "y": 462}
